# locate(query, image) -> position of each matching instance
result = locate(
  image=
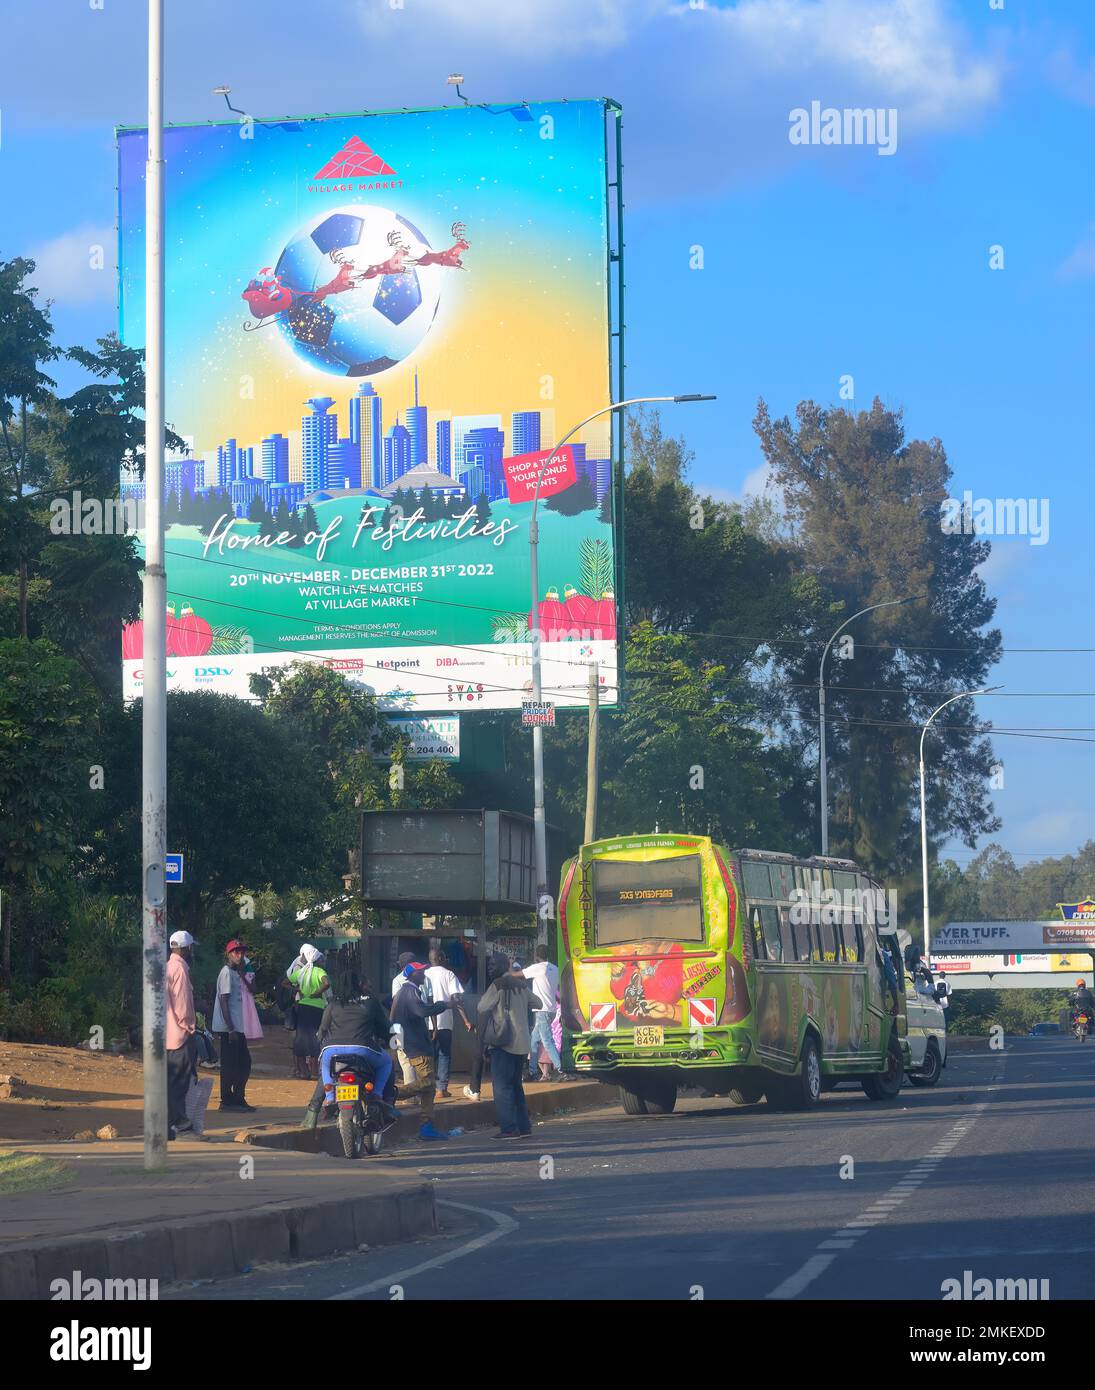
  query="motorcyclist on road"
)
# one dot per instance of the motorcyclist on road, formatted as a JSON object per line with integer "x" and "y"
{"x": 1082, "y": 1001}
{"x": 354, "y": 1025}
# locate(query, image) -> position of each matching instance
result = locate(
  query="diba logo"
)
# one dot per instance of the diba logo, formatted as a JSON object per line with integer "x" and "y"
{"x": 354, "y": 160}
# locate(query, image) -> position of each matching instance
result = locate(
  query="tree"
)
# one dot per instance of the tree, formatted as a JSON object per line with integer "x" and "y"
{"x": 46, "y": 719}
{"x": 482, "y": 509}
{"x": 604, "y": 512}
{"x": 228, "y": 765}
{"x": 864, "y": 510}
{"x": 579, "y": 497}
{"x": 256, "y": 512}
{"x": 26, "y": 345}
{"x": 309, "y": 523}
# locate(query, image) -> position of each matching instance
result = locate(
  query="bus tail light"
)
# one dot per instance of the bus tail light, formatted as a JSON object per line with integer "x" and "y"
{"x": 731, "y": 899}
{"x": 563, "y": 896}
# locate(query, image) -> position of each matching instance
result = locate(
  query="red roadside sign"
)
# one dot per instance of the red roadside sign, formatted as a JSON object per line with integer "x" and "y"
{"x": 521, "y": 470}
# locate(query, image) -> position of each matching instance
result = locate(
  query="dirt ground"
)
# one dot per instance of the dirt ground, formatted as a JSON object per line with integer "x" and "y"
{"x": 70, "y": 1090}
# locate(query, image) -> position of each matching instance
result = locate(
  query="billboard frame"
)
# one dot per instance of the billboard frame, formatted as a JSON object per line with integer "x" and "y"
{"x": 612, "y": 115}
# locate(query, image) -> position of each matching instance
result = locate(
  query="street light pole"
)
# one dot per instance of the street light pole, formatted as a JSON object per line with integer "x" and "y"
{"x": 822, "y": 759}
{"x": 154, "y": 704}
{"x": 962, "y": 695}
{"x": 539, "y": 823}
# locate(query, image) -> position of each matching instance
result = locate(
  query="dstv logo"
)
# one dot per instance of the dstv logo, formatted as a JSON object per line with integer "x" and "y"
{"x": 211, "y": 673}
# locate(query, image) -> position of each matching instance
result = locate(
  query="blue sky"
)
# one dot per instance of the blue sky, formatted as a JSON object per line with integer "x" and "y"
{"x": 818, "y": 261}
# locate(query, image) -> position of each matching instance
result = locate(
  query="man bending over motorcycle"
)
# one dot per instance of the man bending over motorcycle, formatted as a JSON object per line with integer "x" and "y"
{"x": 353, "y": 1025}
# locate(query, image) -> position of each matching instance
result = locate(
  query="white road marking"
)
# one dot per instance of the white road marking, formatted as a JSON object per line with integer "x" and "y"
{"x": 795, "y": 1283}
{"x": 503, "y": 1225}
{"x": 881, "y": 1208}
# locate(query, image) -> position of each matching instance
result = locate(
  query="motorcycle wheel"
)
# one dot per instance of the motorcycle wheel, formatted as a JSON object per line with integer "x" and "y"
{"x": 350, "y": 1134}
{"x": 373, "y": 1140}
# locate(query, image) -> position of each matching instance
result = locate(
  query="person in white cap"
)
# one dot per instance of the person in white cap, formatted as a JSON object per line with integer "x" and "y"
{"x": 180, "y": 1042}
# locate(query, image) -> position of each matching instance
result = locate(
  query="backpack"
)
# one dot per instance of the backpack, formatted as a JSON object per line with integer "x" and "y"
{"x": 496, "y": 1026}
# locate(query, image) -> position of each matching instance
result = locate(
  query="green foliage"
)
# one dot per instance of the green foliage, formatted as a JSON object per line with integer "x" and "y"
{"x": 46, "y": 710}
{"x": 977, "y": 1011}
{"x": 863, "y": 506}
{"x": 579, "y": 497}
{"x": 594, "y": 567}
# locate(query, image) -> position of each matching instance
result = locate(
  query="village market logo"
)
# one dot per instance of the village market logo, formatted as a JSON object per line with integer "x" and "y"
{"x": 354, "y": 161}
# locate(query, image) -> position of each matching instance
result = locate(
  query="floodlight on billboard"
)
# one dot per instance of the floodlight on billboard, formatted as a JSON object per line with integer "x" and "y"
{"x": 374, "y": 324}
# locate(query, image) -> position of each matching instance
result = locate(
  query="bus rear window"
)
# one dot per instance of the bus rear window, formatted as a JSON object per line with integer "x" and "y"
{"x": 659, "y": 900}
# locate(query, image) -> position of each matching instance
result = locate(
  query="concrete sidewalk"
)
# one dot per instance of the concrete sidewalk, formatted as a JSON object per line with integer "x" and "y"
{"x": 215, "y": 1212}
{"x": 544, "y": 1099}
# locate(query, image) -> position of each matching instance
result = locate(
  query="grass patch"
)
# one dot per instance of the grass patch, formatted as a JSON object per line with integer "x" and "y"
{"x": 29, "y": 1173}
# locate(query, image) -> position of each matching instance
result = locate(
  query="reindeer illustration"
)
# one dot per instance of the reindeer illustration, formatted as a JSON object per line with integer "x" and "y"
{"x": 451, "y": 257}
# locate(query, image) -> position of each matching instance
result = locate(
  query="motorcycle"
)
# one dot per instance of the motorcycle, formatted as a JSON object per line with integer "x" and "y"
{"x": 363, "y": 1116}
{"x": 1080, "y": 1026}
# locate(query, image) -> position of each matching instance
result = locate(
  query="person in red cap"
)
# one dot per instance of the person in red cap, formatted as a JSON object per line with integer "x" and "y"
{"x": 229, "y": 1026}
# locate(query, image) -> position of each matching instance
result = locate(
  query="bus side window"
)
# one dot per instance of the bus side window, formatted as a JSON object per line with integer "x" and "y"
{"x": 802, "y": 935}
{"x": 842, "y": 933}
{"x": 759, "y": 950}
{"x": 859, "y": 950}
{"x": 786, "y": 935}
{"x": 769, "y": 922}
{"x": 826, "y": 937}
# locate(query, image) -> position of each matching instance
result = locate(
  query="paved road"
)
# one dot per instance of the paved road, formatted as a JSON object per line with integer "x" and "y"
{"x": 991, "y": 1172}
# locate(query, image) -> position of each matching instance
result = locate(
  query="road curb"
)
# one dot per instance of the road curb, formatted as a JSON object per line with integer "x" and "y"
{"x": 550, "y": 1098}
{"x": 220, "y": 1247}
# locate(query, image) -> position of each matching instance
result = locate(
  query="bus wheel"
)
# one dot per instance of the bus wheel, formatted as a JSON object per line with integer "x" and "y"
{"x": 885, "y": 1085}
{"x": 932, "y": 1069}
{"x": 633, "y": 1103}
{"x": 661, "y": 1099}
{"x": 746, "y": 1093}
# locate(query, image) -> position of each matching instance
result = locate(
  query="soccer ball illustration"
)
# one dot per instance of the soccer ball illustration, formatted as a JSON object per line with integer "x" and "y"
{"x": 359, "y": 303}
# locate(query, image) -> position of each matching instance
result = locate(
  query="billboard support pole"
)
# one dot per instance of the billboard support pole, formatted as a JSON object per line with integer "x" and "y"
{"x": 591, "y": 754}
{"x": 154, "y": 704}
{"x": 545, "y": 907}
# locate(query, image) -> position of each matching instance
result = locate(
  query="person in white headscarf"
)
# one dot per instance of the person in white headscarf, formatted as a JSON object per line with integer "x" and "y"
{"x": 312, "y": 987}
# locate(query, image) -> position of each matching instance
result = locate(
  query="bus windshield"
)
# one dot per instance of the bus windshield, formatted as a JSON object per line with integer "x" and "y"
{"x": 658, "y": 900}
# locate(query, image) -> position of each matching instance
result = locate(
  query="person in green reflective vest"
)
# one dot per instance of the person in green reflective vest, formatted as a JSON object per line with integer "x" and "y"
{"x": 312, "y": 988}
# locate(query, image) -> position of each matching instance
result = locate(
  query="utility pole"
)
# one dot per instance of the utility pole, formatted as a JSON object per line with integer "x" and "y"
{"x": 591, "y": 753}
{"x": 154, "y": 704}
{"x": 545, "y": 907}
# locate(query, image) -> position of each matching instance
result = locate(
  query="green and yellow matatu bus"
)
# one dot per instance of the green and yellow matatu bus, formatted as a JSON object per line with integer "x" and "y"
{"x": 687, "y": 964}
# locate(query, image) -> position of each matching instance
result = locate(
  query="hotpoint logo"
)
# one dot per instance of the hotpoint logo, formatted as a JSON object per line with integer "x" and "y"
{"x": 387, "y": 665}
{"x": 354, "y": 161}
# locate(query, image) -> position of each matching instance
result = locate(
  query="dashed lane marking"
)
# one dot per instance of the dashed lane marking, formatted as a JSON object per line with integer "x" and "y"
{"x": 881, "y": 1208}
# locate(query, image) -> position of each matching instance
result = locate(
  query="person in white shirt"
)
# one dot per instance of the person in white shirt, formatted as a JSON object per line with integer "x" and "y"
{"x": 544, "y": 978}
{"x": 409, "y": 1078}
{"x": 441, "y": 983}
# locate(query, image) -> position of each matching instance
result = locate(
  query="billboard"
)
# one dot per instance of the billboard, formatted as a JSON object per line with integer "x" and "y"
{"x": 962, "y": 938}
{"x": 374, "y": 323}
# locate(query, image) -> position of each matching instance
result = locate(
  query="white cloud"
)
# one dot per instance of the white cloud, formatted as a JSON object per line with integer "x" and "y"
{"x": 908, "y": 52}
{"x": 1080, "y": 262}
{"x": 535, "y": 27}
{"x": 758, "y": 481}
{"x": 77, "y": 267}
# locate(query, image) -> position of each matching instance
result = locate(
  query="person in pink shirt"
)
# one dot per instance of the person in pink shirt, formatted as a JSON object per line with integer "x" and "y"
{"x": 179, "y": 1040}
